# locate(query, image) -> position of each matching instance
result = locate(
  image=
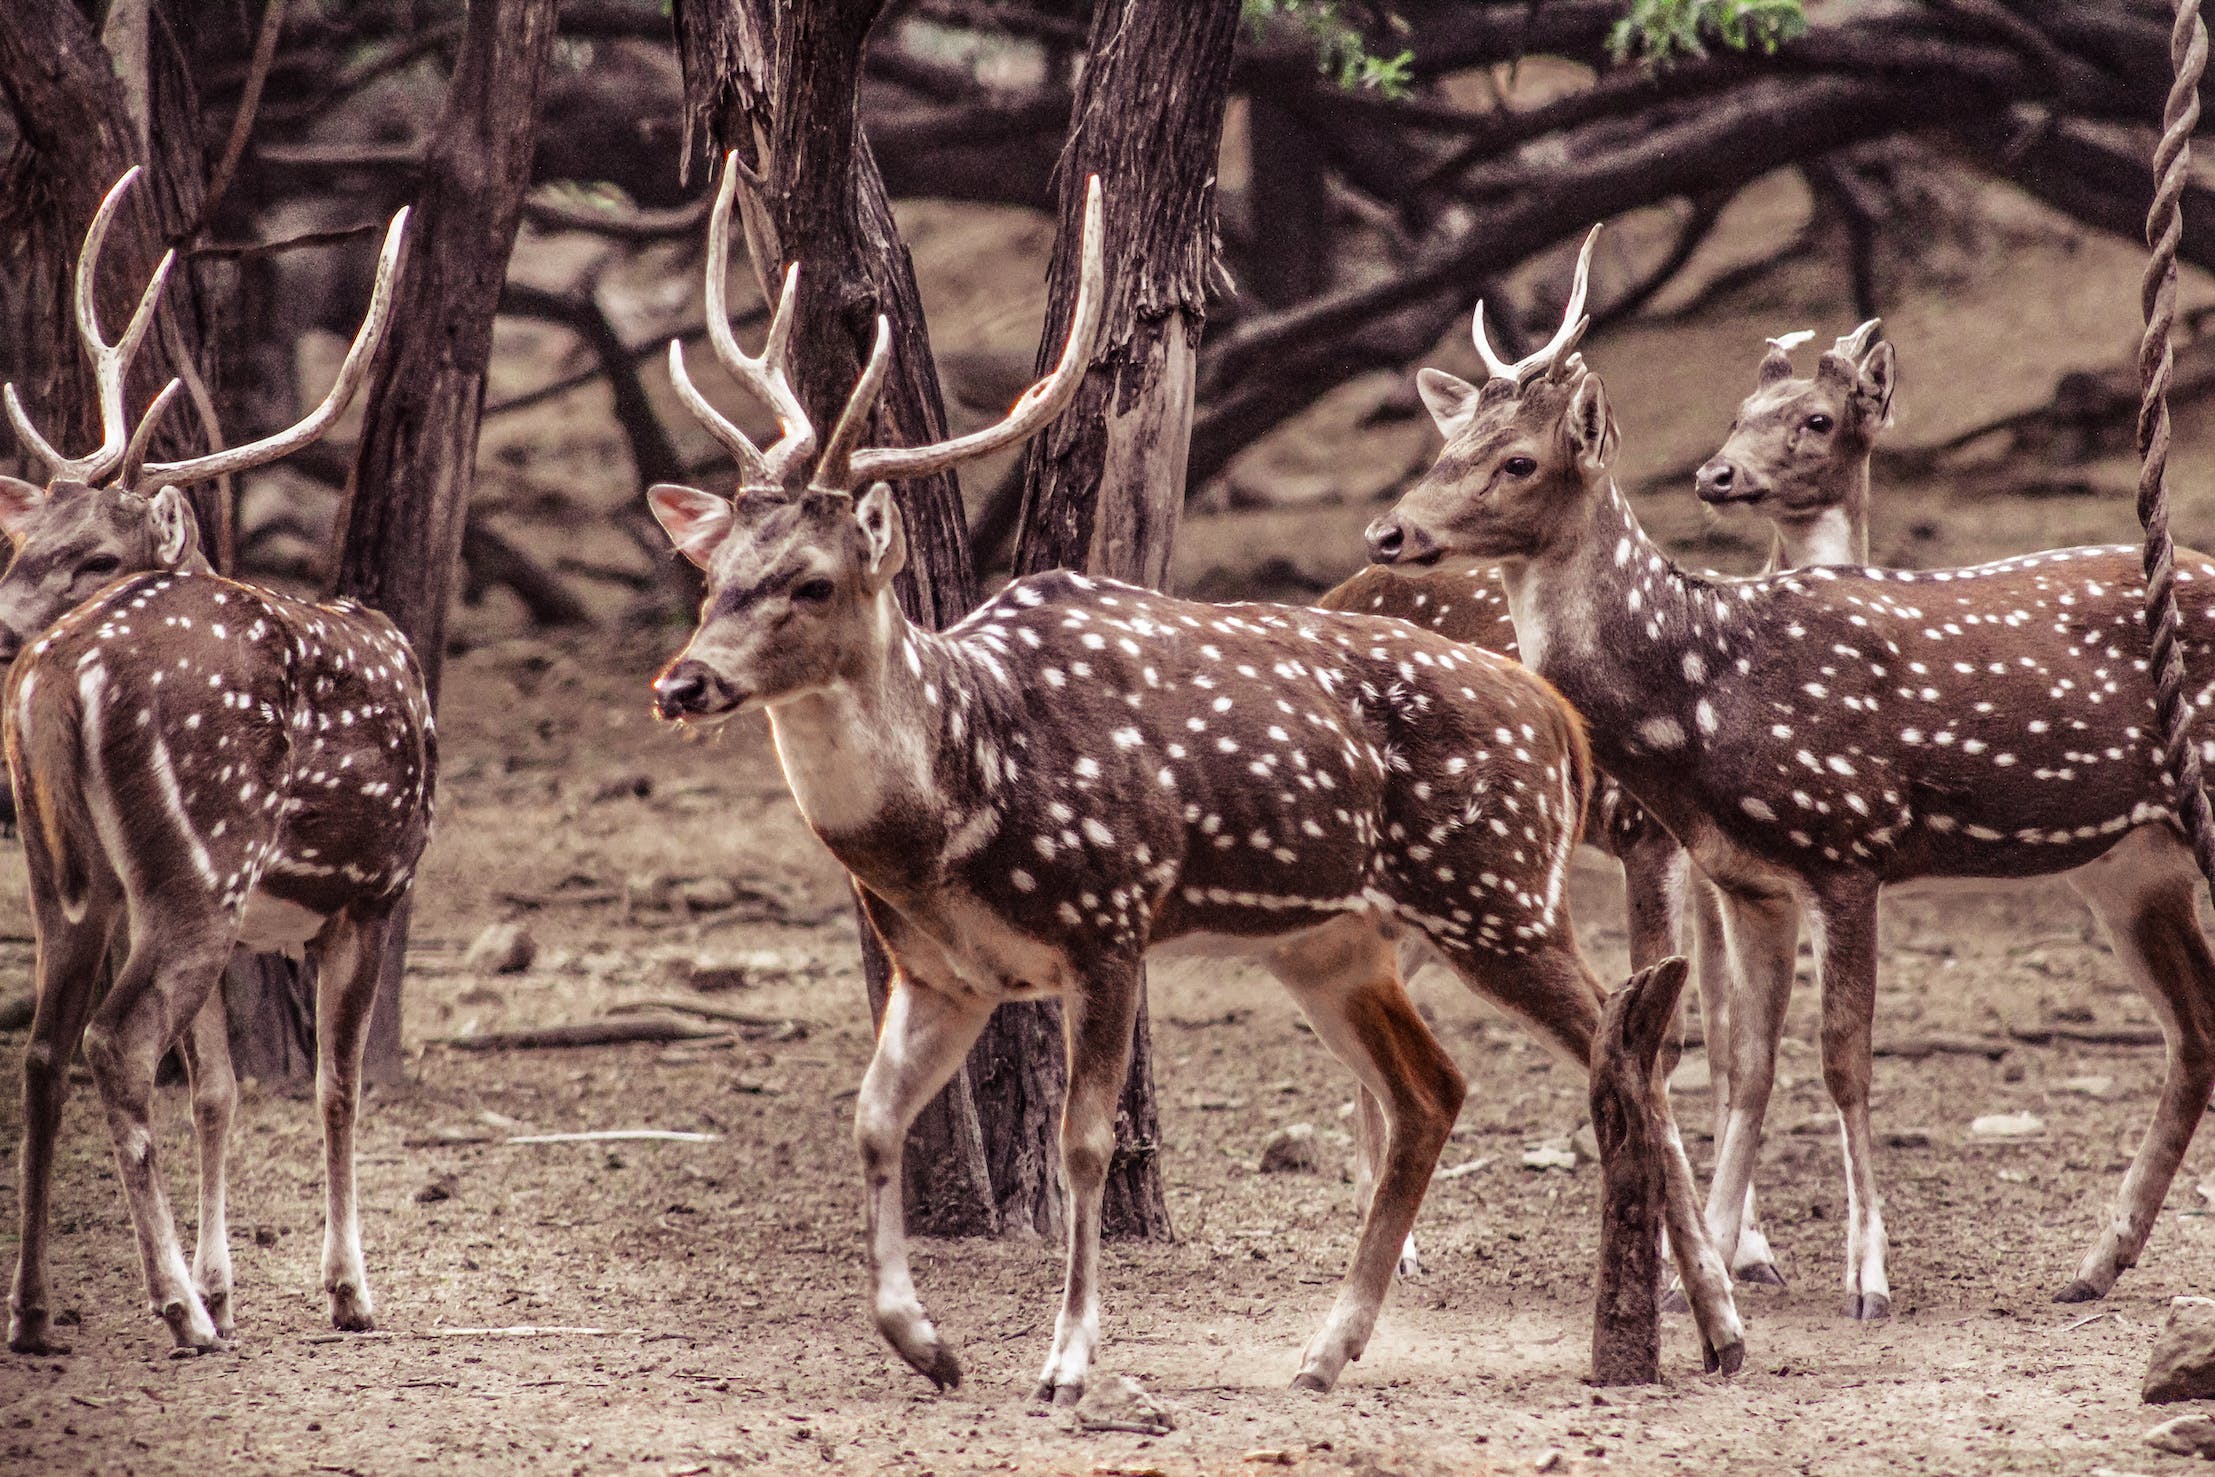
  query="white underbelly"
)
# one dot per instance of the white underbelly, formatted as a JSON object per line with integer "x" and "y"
{"x": 272, "y": 923}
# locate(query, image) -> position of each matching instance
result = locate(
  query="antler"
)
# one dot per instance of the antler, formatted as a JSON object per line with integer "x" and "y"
{"x": 110, "y": 362}
{"x": 350, "y": 374}
{"x": 764, "y": 376}
{"x": 1785, "y": 343}
{"x": 1573, "y": 325}
{"x": 1855, "y": 344}
{"x": 843, "y": 468}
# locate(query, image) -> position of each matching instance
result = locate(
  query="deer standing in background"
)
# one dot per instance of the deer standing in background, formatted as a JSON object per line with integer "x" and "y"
{"x": 1799, "y": 452}
{"x": 1082, "y": 770}
{"x": 1813, "y": 735}
{"x": 198, "y": 764}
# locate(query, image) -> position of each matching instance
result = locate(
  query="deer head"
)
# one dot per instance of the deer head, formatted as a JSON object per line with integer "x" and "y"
{"x": 1522, "y": 451}
{"x": 798, "y": 567}
{"x": 111, "y": 512}
{"x": 1800, "y": 447}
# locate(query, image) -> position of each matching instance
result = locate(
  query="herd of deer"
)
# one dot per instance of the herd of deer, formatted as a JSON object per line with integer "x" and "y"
{"x": 1082, "y": 771}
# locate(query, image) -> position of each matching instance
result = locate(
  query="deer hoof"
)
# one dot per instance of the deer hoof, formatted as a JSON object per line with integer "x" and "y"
{"x": 2079, "y": 1291}
{"x": 350, "y": 1310}
{"x": 1674, "y": 1300}
{"x": 940, "y": 1367}
{"x": 1727, "y": 1360}
{"x": 1309, "y": 1380}
{"x": 29, "y": 1334}
{"x": 1066, "y": 1395}
{"x": 1760, "y": 1274}
{"x": 1868, "y": 1307}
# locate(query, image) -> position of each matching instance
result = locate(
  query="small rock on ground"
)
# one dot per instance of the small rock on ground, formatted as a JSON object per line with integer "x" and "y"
{"x": 2182, "y": 1364}
{"x": 1292, "y": 1149}
{"x": 2187, "y": 1435}
{"x": 502, "y": 948}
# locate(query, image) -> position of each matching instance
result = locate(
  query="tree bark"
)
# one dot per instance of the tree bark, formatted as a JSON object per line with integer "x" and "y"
{"x": 785, "y": 97}
{"x": 408, "y": 499}
{"x": 1629, "y": 1117}
{"x": 1104, "y": 485}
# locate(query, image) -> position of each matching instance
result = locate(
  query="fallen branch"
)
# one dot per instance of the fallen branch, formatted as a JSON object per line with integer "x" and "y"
{"x": 1916, "y": 1049}
{"x": 710, "y": 1012}
{"x": 581, "y": 1033}
{"x": 617, "y": 1136}
{"x": 2088, "y": 1035}
{"x": 516, "y": 1331}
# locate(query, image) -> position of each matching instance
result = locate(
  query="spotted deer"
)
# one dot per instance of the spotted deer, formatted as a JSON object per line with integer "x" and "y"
{"x": 1082, "y": 770}
{"x": 198, "y": 764}
{"x": 1798, "y": 452}
{"x": 1812, "y": 735}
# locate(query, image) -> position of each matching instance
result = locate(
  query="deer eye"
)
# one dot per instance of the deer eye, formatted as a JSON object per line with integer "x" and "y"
{"x": 1519, "y": 466}
{"x": 100, "y": 564}
{"x": 813, "y": 592}
{"x": 1819, "y": 422}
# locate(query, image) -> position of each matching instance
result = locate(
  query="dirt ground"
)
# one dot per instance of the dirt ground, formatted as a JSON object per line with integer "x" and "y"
{"x": 720, "y": 1284}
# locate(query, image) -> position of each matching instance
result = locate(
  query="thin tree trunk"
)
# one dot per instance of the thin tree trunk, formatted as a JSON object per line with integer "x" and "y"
{"x": 408, "y": 499}
{"x": 1105, "y": 484}
{"x": 785, "y": 97}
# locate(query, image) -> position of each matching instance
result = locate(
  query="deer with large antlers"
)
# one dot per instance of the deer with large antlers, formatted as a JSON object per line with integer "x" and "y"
{"x": 1813, "y": 735}
{"x": 198, "y": 764}
{"x": 1799, "y": 453}
{"x": 1082, "y": 770}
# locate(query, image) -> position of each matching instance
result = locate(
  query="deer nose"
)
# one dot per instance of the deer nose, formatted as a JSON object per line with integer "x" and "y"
{"x": 1387, "y": 541}
{"x": 688, "y": 687}
{"x": 1717, "y": 481}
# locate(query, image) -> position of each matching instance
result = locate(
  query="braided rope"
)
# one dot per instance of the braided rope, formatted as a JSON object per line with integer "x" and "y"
{"x": 2172, "y": 163}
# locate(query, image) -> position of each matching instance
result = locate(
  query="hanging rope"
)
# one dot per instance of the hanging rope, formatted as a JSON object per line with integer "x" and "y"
{"x": 2172, "y": 164}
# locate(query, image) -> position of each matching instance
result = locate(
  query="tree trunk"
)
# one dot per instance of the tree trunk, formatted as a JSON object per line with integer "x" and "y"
{"x": 408, "y": 499}
{"x": 1630, "y": 1119}
{"x": 785, "y": 97}
{"x": 1104, "y": 484}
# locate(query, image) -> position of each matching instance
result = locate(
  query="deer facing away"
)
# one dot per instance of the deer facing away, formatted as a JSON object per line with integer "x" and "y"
{"x": 1799, "y": 452}
{"x": 198, "y": 763}
{"x": 1082, "y": 770}
{"x": 1812, "y": 735}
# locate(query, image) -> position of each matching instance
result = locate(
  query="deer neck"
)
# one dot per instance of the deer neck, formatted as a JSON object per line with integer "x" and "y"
{"x": 879, "y": 758}
{"x": 1837, "y": 535}
{"x": 1618, "y": 628}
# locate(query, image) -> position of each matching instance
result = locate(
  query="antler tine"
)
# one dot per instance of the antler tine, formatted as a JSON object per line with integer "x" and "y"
{"x": 737, "y": 442}
{"x": 1785, "y": 343}
{"x": 351, "y": 371}
{"x": 836, "y": 471}
{"x": 1038, "y": 405}
{"x": 111, "y": 363}
{"x": 764, "y": 376}
{"x": 134, "y": 455}
{"x": 1855, "y": 344}
{"x": 1566, "y": 337}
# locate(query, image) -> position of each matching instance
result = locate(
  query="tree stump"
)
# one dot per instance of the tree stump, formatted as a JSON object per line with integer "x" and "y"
{"x": 1628, "y": 1114}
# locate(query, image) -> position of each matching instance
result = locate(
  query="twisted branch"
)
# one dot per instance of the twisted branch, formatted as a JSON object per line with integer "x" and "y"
{"x": 2156, "y": 364}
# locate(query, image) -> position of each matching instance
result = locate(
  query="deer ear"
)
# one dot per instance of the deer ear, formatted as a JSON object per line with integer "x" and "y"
{"x": 1589, "y": 426}
{"x": 1873, "y": 386}
{"x": 176, "y": 532}
{"x": 18, "y": 501}
{"x": 695, "y": 521}
{"x": 1450, "y": 400}
{"x": 883, "y": 535}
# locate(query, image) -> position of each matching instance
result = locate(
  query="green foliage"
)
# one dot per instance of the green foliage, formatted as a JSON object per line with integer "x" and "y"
{"x": 1656, "y": 30}
{"x": 1341, "y": 49}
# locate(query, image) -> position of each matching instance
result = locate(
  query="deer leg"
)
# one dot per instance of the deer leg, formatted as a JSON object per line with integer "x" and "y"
{"x": 2144, "y": 892}
{"x": 68, "y": 962}
{"x": 1654, "y": 875}
{"x": 349, "y": 960}
{"x": 1344, "y": 978}
{"x": 1751, "y": 1260}
{"x": 207, "y": 1048}
{"x": 1761, "y": 933}
{"x": 1097, "y": 1026}
{"x": 1846, "y": 948}
{"x": 1370, "y": 1131}
{"x": 920, "y": 1045}
{"x": 148, "y": 1006}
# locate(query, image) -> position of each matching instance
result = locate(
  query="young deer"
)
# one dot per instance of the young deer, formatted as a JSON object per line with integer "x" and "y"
{"x": 1082, "y": 770}
{"x": 1813, "y": 735}
{"x": 198, "y": 763}
{"x": 1799, "y": 452}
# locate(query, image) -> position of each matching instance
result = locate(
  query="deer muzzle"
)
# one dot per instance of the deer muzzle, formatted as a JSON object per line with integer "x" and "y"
{"x": 1392, "y": 541}
{"x": 692, "y": 689}
{"x": 1724, "y": 481}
